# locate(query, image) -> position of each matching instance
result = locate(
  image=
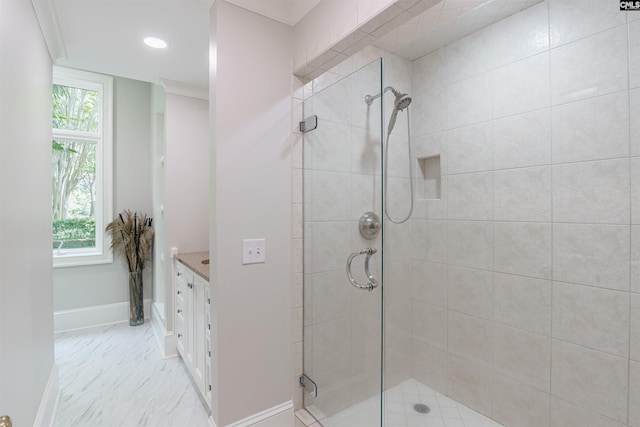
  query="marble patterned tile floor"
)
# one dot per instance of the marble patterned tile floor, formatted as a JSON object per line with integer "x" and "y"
{"x": 399, "y": 410}
{"x": 115, "y": 376}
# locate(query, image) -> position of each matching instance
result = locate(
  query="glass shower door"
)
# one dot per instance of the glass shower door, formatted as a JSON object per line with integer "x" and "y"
{"x": 342, "y": 265}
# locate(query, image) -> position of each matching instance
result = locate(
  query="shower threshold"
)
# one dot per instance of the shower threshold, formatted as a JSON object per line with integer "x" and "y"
{"x": 400, "y": 403}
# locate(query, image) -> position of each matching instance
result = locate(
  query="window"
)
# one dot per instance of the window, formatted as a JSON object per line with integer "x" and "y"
{"x": 81, "y": 169}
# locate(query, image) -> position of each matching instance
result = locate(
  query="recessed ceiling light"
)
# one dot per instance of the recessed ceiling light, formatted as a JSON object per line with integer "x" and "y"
{"x": 155, "y": 42}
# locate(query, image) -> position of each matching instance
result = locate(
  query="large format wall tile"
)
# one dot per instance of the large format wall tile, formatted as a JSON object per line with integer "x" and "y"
{"x": 593, "y": 66}
{"x": 634, "y": 350}
{"x": 326, "y": 297}
{"x": 592, "y": 192}
{"x": 430, "y": 324}
{"x": 523, "y": 356}
{"x": 635, "y": 190}
{"x": 429, "y": 241}
{"x": 470, "y": 196}
{"x": 634, "y": 105}
{"x": 428, "y": 73}
{"x": 365, "y": 151}
{"x": 634, "y": 393}
{"x": 514, "y": 143}
{"x": 521, "y": 86}
{"x": 635, "y": 259}
{"x": 591, "y": 317}
{"x": 596, "y": 255}
{"x": 521, "y": 35}
{"x": 522, "y": 248}
{"x": 470, "y": 291}
{"x": 469, "y": 101}
{"x": 324, "y": 201}
{"x": 470, "y": 337}
{"x": 518, "y": 404}
{"x": 469, "y": 383}
{"x": 430, "y": 282}
{"x": 567, "y": 414}
{"x": 470, "y": 244}
{"x": 430, "y": 365}
{"x": 522, "y": 302}
{"x": 522, "y": 194}
{"x": 575, "y": 19}
{"x": 469, "y": 149}
{"x": 428, "y": 112}
{"x": 590, "y": 378}
{"x": 591, "y": 129}
{"x": 329, "y": 246}
{"x": 634, "y": 54}
{"x": 469, "y": 56}
{"x": 327, "y": 148}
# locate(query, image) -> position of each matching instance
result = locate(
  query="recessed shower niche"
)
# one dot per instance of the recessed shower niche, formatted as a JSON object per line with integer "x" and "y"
{"x": 429, "y": 179}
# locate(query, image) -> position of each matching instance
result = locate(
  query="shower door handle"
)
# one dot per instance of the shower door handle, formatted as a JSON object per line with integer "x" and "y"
{"x": 372, "y": 281}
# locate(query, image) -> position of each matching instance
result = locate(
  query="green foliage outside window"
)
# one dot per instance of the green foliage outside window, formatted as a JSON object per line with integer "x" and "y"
{"x": 74, "y": 233}
{"x": 75, "y": 110}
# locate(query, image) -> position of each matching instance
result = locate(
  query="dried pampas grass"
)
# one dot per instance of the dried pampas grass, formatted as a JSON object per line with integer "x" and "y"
{"x": 132, "y": 237}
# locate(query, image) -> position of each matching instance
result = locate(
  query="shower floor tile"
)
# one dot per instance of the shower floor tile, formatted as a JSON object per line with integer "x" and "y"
{"x": 399, "y": 410}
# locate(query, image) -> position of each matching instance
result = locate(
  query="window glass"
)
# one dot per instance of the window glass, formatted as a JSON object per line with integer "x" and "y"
{"x": 81, "y": 167}
{"x": 74, "y": 194}
{"x": 75, "y": 109}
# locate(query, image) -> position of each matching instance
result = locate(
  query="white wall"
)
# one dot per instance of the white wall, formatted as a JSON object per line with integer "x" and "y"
{"x": 26, "y": 311}
{"x": 186, "y": 177}
{"x": 187, "y": 166}
{"x": 250, "y": 105}
{"x": 77, "y": 287}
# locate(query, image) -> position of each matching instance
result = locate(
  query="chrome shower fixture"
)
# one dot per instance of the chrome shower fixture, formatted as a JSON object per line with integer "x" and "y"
{"x": 401, "y": 103}
{"x": 402, "y": 99}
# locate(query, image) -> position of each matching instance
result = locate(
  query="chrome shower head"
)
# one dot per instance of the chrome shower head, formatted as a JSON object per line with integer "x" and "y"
{"x": 402, "y": 101}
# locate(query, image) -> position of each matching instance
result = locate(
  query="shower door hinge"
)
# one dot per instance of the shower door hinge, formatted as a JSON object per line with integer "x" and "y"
{"x": 309, "y": 386}
{"x": 309, "y": 124}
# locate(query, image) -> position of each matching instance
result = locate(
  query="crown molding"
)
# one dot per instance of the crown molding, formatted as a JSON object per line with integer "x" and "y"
{"x": 48, "y": 21}
{"x": 184, "y": 89}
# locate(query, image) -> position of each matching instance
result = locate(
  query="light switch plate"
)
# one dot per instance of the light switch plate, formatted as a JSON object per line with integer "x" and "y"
{"x": 254, "y": 251}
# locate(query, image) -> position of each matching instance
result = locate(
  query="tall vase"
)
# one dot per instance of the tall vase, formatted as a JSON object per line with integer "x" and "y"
{"x": 136, "y": 309}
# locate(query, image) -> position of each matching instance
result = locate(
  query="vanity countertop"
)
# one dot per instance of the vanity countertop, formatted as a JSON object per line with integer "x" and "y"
{"x": 193, "y": 260}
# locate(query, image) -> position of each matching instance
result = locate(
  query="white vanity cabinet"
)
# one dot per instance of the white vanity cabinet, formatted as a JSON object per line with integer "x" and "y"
{"x": 192, "y": 325}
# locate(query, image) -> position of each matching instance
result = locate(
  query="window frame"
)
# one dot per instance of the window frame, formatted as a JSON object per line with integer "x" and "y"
{"x": 103, "y": 84}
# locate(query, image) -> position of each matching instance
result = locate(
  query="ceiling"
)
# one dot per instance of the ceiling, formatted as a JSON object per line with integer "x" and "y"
{"x": 286, "y": 11}
{"x": 105, "y": 36}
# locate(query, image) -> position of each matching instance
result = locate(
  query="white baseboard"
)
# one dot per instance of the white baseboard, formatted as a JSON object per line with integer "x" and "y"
{"x": 87, "y": 317}
{"x": 268, "y": 418}
{"x": 46, "y": 414}
{"x": 167, "y": 341}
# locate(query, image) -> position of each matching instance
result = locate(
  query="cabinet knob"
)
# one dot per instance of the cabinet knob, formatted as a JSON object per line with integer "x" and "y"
{"x": 179, "y": 292}
{"x": 179, "y": 335}
{"x": 179, "y": 274}
{"x": 179, "y": 311}
{"x": 190, "y": 285}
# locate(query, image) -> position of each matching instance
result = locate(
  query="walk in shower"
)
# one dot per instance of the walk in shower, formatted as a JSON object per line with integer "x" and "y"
{"x": 511, "y": 294}
{"x": 359, "y": 190}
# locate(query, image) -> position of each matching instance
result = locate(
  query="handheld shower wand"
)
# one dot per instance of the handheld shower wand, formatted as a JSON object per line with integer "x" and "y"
{"x": 401, "y": 102}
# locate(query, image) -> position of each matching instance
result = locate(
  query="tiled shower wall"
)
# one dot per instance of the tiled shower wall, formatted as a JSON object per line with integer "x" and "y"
{"x": 526, "y": 279}
{"x": 525, "y": 296}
